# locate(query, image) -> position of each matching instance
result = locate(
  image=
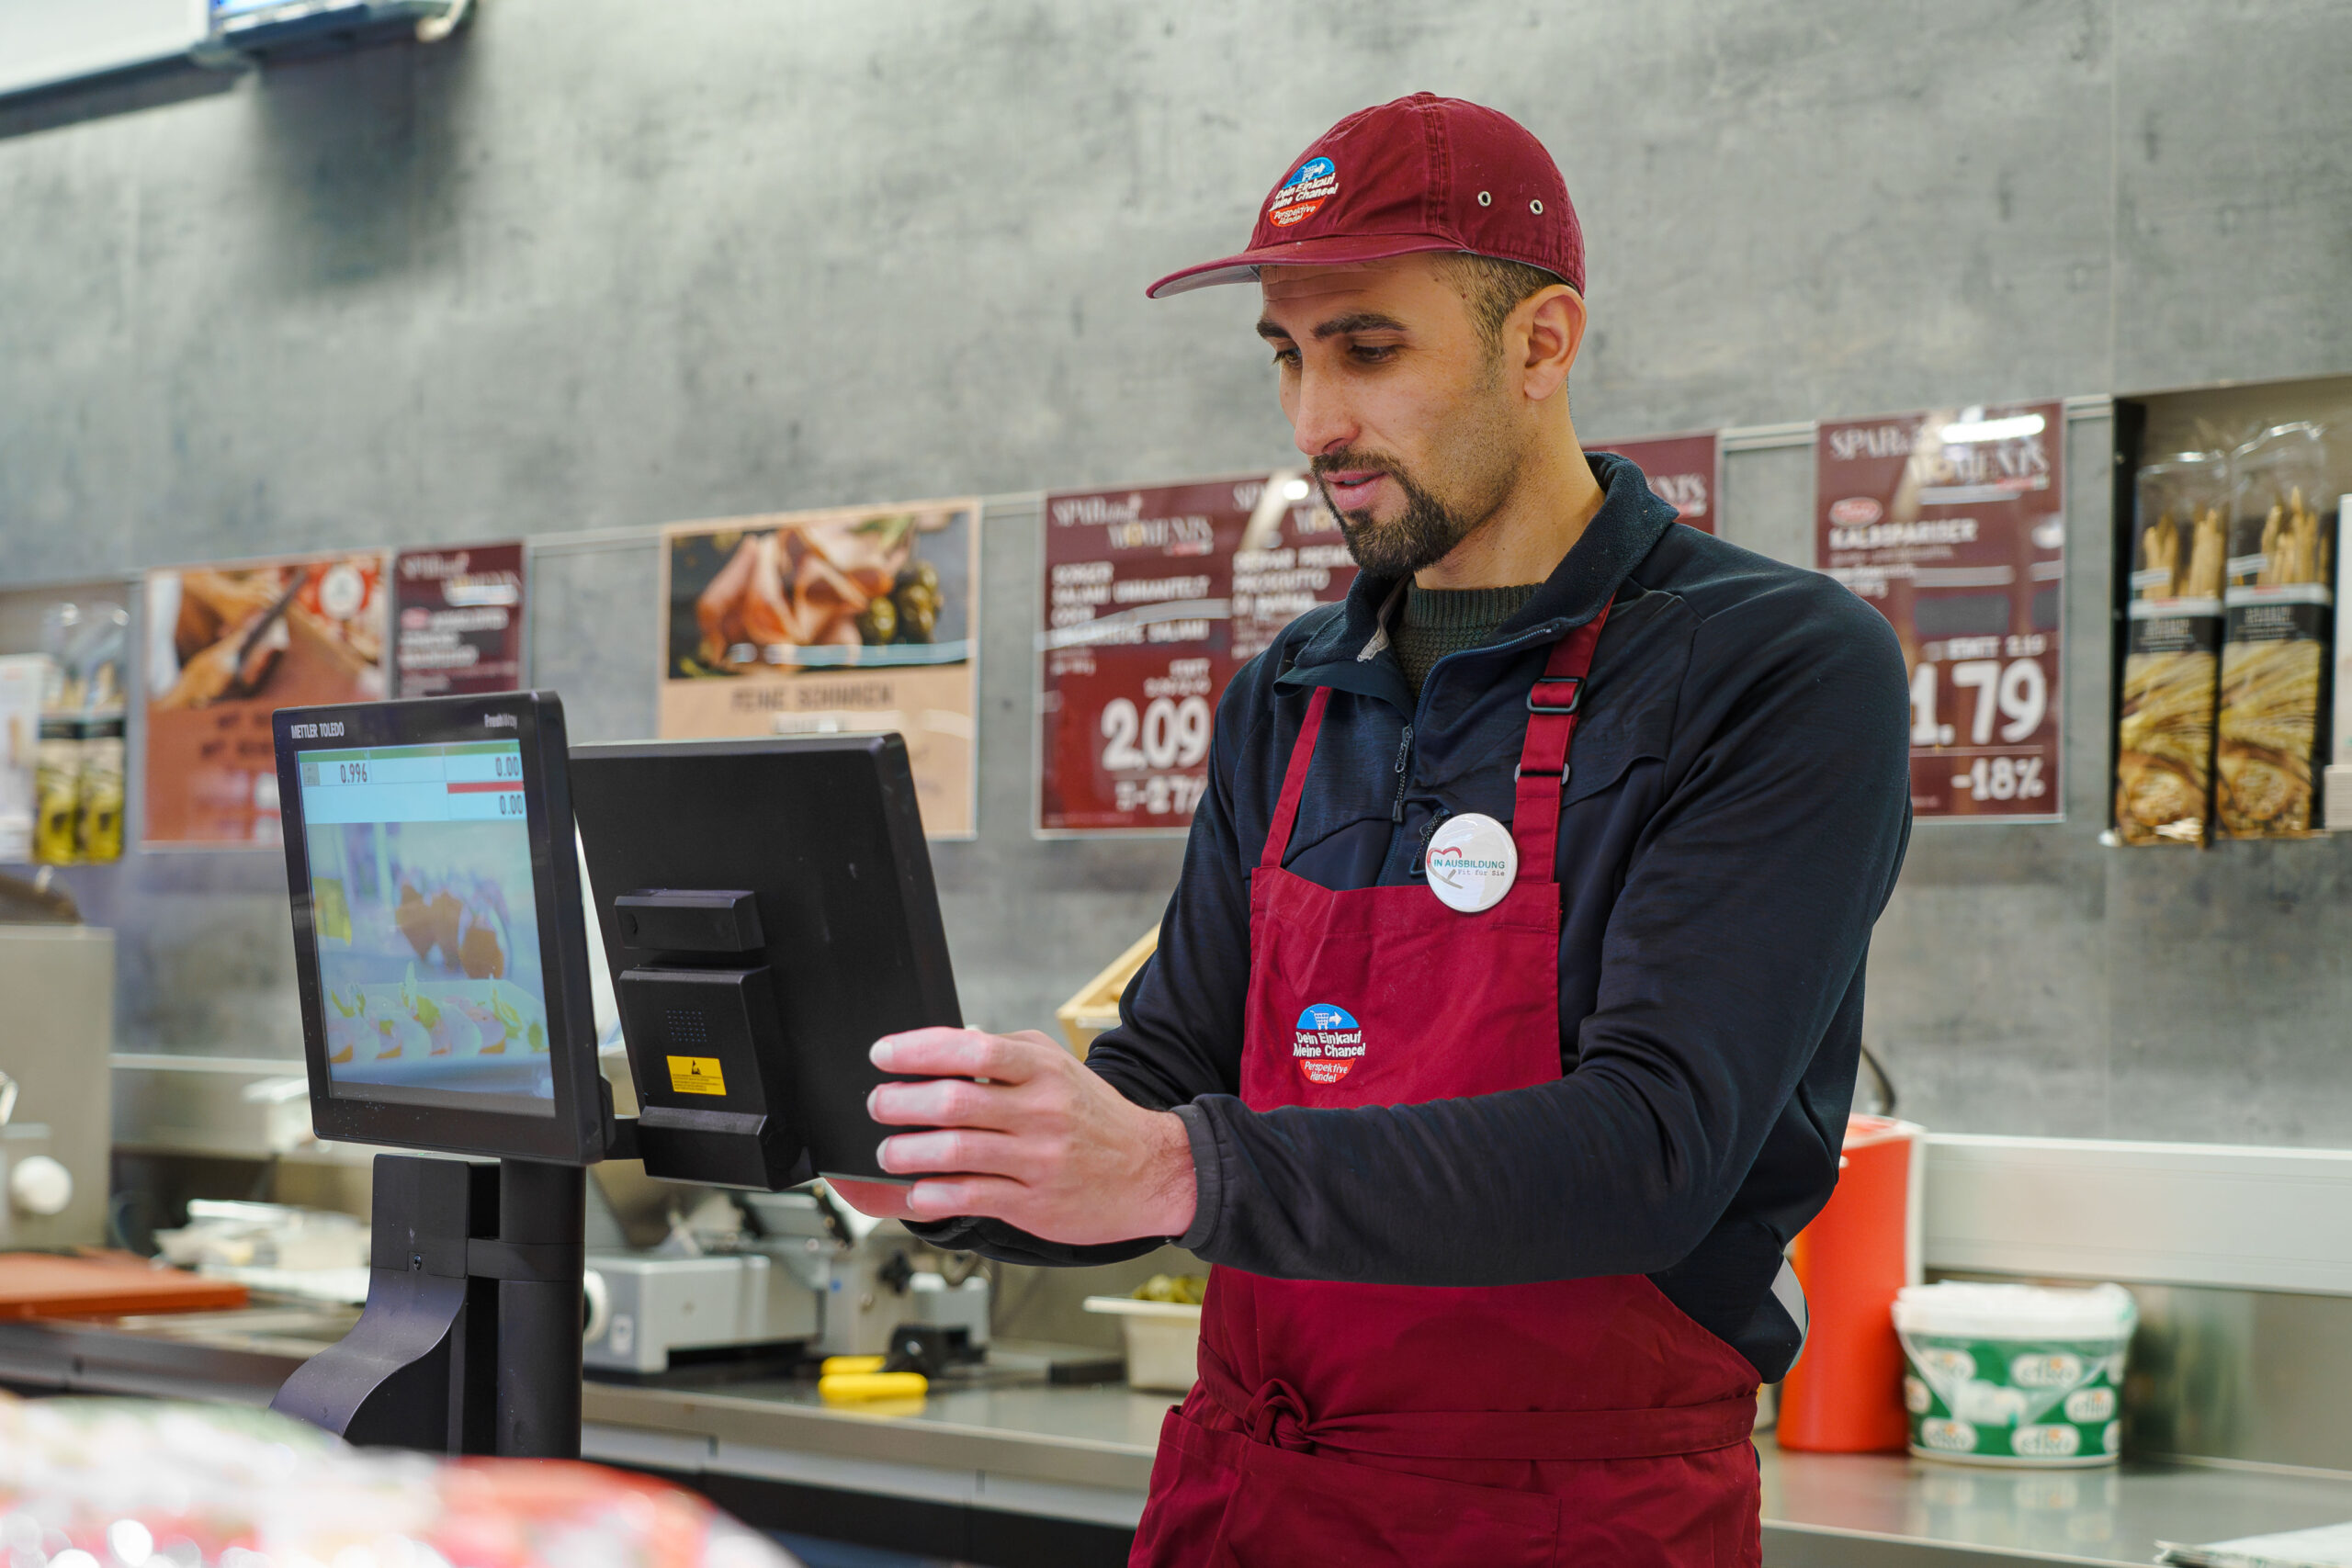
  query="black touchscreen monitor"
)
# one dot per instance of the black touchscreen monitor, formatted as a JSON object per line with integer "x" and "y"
{"x": 768, "y": 910}
{"x": 440, "y": 950}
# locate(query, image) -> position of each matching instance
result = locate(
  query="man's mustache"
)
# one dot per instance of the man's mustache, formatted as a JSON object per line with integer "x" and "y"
{"x": 1351, "y": 462}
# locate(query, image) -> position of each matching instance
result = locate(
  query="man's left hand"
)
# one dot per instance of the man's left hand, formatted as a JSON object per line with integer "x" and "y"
{"x": 1018, "y": 1130}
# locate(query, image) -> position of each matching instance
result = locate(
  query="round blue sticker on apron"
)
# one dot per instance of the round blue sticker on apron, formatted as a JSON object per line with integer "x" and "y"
{"x": 1329, "y": 1042}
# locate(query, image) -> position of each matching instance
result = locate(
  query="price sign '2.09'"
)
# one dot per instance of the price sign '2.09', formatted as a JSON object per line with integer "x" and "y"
{"x": 1154, "y": 597}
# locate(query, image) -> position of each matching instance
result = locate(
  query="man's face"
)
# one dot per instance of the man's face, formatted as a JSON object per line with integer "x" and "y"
{"x": 1415, "y": 433}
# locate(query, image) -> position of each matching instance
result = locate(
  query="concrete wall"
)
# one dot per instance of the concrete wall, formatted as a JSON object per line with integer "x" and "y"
{"x": 593, "y": 265}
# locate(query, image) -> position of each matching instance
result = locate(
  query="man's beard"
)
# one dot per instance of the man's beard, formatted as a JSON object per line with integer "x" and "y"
{"x": 1424, "y": 534}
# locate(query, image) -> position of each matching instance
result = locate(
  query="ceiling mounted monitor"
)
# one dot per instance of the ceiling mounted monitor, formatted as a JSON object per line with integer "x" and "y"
{"x": 258, "y": 26}
{"x": 45, "y": 43}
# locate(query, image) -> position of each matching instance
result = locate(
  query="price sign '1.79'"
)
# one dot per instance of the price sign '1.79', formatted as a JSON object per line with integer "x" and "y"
{"x": 1951, "y": 522}
{"x": 1153, "y": 598}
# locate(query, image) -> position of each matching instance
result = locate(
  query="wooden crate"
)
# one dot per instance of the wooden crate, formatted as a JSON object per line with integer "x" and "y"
{"x": 1096, "y": 1006}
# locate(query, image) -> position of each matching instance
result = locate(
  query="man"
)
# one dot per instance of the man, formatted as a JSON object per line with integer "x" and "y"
{"x": 1505, "y": 1019}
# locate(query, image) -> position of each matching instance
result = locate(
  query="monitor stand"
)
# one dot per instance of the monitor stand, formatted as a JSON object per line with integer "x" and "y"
{"x": 469, "y": 1343}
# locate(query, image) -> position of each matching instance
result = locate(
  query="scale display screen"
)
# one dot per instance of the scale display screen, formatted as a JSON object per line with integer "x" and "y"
{"x": 427, "y": 928}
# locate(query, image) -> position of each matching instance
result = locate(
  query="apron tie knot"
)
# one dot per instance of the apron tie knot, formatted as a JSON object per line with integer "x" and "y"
{"x": 1277, "y": 1416}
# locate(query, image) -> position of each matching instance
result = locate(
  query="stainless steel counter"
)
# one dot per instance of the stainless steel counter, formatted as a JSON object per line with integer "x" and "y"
{"x": 1084, "y": 1454}
{"x": 1846, "y": 1511}
{"x": 1074, "y": 1453}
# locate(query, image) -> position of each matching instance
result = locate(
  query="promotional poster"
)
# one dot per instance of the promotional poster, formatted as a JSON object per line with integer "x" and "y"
{"x": 1154, "y": 597}
{"x": 1951, "y": 524}
{"x": 1686, "y": 471}
{"x": 815, "y": 622}
{"x": 226, "y": 646}
{"x": 459, "y": 615}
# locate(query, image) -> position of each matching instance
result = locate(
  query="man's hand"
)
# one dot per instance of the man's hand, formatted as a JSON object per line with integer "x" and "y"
{"x": 1040, "y": 1142}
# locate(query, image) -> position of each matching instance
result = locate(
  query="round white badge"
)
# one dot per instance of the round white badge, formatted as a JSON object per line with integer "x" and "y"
{"x": 1472, "y": 861}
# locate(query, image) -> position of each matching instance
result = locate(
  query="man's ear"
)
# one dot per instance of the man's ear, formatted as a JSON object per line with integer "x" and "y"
{"x": 1551, "y": 323}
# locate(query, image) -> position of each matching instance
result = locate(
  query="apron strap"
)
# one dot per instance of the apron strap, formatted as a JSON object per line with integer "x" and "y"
{"x": 1543, "y": 776}
{"x": 1294, "y": 781}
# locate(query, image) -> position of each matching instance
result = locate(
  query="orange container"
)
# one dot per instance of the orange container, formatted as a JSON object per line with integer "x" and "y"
{"x": 1845, "y": 1395}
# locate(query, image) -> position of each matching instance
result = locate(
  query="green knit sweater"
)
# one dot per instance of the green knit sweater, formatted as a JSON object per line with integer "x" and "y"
{"x": 1439, "y": 621}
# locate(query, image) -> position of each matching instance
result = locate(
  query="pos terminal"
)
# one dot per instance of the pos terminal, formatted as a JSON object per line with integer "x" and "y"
{"x": 768, "y": 910}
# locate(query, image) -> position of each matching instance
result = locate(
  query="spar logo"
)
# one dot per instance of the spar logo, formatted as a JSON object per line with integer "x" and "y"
{"x": 1315, "y": 183}
{"x": 1328, "y": 1042}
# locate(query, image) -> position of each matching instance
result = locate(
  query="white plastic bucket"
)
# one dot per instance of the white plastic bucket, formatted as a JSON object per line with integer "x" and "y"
{"x": 2014, "y": 1374}
{"x": 1163, "y": 1340}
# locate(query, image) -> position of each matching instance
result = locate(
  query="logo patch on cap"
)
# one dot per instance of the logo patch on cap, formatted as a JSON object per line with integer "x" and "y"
{"x": 1316, "y": 181}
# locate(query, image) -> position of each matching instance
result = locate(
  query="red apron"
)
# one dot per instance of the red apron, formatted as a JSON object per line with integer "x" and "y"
{"x": 1572, "y": 1421}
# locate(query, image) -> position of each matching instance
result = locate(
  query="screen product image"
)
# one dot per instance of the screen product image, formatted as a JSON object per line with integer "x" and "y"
{"x": 428, "y": 940}
{"x": 441, "y": 952}
{"x": 768, "y": 910}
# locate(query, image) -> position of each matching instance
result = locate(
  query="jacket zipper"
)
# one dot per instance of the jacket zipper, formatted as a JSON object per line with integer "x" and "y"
{"x": 1429, "y": 831}
{"x": 1403, "y": 755}
{"x": 1549, "y": 630}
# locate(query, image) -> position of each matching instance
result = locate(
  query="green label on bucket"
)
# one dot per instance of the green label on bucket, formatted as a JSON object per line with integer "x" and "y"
{"x": 2014, "y": 1401}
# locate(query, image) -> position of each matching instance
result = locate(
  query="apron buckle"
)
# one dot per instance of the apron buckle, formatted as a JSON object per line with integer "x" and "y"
{"x": 1575, "y": 684}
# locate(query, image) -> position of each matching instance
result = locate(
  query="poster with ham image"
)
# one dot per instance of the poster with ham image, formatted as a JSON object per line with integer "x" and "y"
{"x": 859, "y": 620}
{"x": 428, "y": 940}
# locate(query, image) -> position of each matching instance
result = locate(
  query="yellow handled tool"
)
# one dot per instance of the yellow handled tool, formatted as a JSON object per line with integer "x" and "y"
{"x": 833, "y": 1366}
{"x": 857, "y": 1387}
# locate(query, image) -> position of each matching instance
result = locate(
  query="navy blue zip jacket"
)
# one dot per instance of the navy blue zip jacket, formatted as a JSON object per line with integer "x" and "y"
{"x": 1737, "y": 811}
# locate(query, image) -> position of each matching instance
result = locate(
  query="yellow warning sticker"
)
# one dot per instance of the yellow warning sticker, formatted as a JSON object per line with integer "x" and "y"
{"x": 697, "y": 1075}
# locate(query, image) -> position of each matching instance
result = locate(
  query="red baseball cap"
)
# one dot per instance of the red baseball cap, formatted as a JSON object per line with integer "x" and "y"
{"x": 1421, "y": 174}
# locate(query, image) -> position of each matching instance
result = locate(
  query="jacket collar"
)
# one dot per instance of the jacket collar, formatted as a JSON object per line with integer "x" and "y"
{"x": 1351, "y": 650}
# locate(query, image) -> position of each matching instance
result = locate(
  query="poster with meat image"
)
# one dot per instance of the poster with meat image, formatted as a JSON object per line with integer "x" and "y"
{"x": 1154, "y": 596}
{"x": 1685, "y": 471}
{"x": 1951, "y": 522}
{"x": 225, "y": 647}
{"x": 855, "y": 620}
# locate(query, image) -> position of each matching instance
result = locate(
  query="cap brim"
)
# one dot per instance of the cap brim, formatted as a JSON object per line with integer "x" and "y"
{"x": 1331, "y": 249}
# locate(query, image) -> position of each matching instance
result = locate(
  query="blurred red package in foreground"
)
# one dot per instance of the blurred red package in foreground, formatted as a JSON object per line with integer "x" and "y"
{"x": 217, "y": 1486}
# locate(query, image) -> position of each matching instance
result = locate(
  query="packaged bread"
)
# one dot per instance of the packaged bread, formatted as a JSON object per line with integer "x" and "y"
{"x": 2280, "y": 612}
{"x": 2164, "y": 775}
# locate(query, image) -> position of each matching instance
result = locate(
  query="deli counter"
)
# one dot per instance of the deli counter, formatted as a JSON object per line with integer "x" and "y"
{"x": 1038, "y": 1450}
